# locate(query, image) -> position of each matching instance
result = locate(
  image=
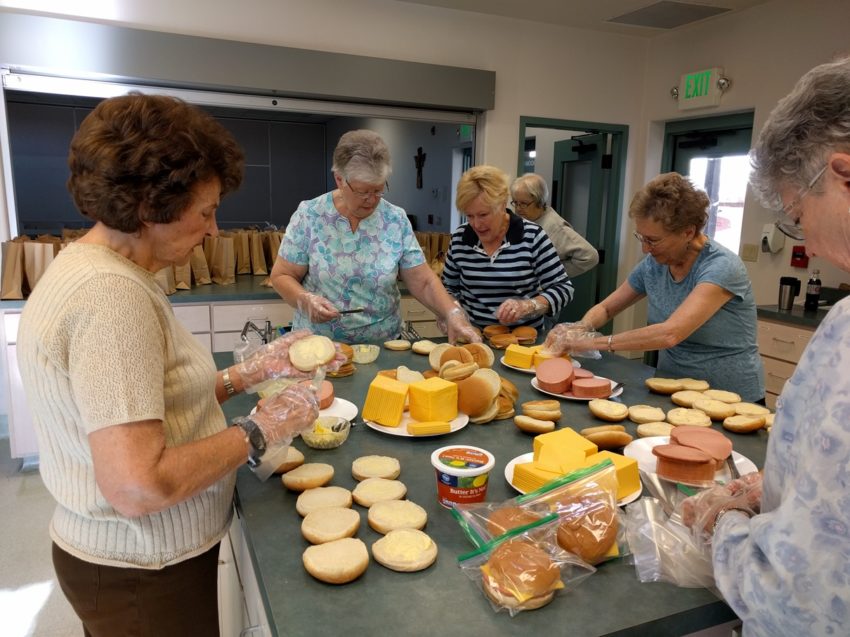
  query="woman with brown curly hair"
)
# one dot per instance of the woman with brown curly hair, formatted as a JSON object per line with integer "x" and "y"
{"x": 702, "y": 313}
{"x": 133, "y": 443}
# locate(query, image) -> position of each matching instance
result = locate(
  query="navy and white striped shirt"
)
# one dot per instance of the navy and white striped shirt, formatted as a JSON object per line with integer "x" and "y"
{"x": 525, "y": 265}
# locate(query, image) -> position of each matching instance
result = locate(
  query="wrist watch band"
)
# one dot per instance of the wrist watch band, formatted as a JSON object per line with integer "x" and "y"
{"x": 255, "y": 438}
{"x": 225, "y": 379}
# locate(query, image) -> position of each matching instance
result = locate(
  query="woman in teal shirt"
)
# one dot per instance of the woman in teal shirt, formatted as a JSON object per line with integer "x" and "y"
{"x": 702, "y": 313}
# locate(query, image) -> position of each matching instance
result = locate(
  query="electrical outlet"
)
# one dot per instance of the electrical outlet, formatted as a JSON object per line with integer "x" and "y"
{"x": 749, "y": 252}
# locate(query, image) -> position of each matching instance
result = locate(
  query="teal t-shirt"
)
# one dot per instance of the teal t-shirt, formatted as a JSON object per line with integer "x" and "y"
{"x": 724, "y": 349}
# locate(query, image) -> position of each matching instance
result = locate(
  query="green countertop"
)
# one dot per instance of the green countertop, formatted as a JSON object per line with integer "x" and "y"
{"x": 441, "y": 599}
{"x": 797, "y": 315}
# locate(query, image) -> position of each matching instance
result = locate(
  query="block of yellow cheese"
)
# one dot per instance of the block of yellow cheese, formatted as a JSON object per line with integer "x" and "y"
{"x": 385, "y": 401}
{"x": 529, "y": 477}
{"x": 519, "y": 356}
{"x": 560, "y": 459}
{"x": 539, "y": 355}
{"x": 428, "y": 428}
{"x": 628, "y": 478}
{"x": 433, "y": 399}
{"x": 564, "y": 438}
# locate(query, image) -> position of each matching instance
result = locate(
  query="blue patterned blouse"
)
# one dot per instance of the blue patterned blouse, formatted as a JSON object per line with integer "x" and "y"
{"x": 352, "y": 269}
{"x": 787, "y": 570}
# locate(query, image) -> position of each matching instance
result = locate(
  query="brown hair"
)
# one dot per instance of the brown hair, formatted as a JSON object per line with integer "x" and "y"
{"x": 673, "y": 201}
{"x": 489, "y": 180}
{"x": 136, "y": 158}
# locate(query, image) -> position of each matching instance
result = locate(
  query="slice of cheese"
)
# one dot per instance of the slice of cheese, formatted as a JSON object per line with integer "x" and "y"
{"x": 433, "y": 399}
{"x": 558, "y": 459}
{"x": 529, "y": 477}
{"x": 519, "y": 356}
{"x": 564, "y": 438}
{"x": 385, "y": 401}
{"x": 628, "y": 477}
{"x": 428, "y": 428}
{"x": 521, "y": 596}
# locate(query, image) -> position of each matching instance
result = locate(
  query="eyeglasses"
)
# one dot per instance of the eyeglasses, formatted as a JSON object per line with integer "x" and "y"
{"x": 521, "y": 204}
{"x": 788, "y": 225}
{"x": 650, "y": 243}
{"x": 365, "y": 196}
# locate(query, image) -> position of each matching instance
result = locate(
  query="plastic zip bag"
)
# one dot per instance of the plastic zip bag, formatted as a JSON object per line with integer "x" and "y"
{"x": 525, "y": 568}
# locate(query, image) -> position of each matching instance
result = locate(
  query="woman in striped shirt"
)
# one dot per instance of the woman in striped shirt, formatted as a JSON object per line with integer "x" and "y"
{"x": 500, "y": 267}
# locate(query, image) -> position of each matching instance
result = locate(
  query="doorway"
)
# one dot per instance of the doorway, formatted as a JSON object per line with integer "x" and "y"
{"x": 584, "y": 163}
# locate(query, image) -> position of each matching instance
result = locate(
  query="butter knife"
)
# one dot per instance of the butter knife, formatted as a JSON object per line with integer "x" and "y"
{"x": 356, "y": 311}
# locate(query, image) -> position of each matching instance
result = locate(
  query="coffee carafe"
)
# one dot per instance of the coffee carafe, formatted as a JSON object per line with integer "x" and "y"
{"x": 789, "y": 288}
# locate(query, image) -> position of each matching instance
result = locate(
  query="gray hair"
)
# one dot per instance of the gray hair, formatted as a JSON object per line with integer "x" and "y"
{"x": 808, "y": 124}
{"x": 363, "y": 156}
{"x": 534, "y": 185}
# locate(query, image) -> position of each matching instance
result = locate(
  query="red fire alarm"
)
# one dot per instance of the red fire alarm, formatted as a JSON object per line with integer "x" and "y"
{"x": 799, "y": 259}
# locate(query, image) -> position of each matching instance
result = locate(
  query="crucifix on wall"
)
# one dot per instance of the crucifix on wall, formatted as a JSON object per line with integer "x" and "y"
{"x": 419, "y": 158}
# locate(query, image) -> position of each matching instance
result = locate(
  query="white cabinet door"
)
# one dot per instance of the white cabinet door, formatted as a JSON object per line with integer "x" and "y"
{"x": 22, "y": 440}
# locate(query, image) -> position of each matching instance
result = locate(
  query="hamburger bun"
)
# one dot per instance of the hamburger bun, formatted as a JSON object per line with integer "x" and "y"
{"x": 455, "y": 371}
{"x": 595, "y": 430}
{"x": 716, "y": 409}
{"x": 588, "y": 528}
{"x": 322, "y": 498}
{"x": 375, "y": 467}
{"x": 645, "y": 413}
{"x": 525, "y": 334}
{"x": 294, "y": 458}
{"x": 481, "y": 354}
{"x": 687, "y": 397}
{"x": 720, "y": 394}
{"x": 750, "y": 409}
{"x": 684, "y": 416}
{"x": 501, "y": 341}
{"x": 345, "y": 370}
{"x": 505, "y": 408}
{"x": 310, "y": 352}
{"x": 694, "y": 384}
{"x": 397, "y": 345}
{"x": 337, "y": 562}
{"x": 608, "y": 410}
{"x": 508, "y": 389}
{"x": 649, "y": 429}
{"x": 488, "y": 416}
{"x": 542, "y": 409}
{"x": 405, "y": 550}
{"x": 308, "y": 476}
{"x": 372, "y": 490}
{"x": 520, "y": 575}
{"x": 490, "y": 331}
{"x": 455, "y": 353}
{"x": 503, "y": 519}
{"x": 389, "y": 515}
{"x": 533, "y": 425}
{"x": 327, "y": 525}
{"x": 436, "y": 354}
{"x": 423, "y": 347}
{"x": 346, "y": 350}
{"x": 663, "y": 385}
{"x": 609, "y": 439}
{"x": 743, "y": 424}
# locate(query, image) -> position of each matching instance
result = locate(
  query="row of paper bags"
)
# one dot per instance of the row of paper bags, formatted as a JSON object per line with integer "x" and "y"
{"x": 24, "y": 260}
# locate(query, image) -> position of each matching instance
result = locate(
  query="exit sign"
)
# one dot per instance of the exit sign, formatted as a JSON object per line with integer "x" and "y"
{"x": 699, "y": 89}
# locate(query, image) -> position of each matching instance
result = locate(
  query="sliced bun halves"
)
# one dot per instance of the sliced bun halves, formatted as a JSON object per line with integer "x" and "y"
{"x": 405, "y": 550}
{"x": 389, "y": 515}
{"x": 337, "y": 562}
{"x": 375, "y": 467}
{"x": 327, "y": 525}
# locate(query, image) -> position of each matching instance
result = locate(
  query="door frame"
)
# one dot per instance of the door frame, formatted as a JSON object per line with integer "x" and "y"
{"x": 613, "y": 221}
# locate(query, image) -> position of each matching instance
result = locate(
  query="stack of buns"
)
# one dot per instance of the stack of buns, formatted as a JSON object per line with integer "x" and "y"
{"x": 538, "y": 416}
{"x": 607, "y": 436}
{"x": 347, "y": 368}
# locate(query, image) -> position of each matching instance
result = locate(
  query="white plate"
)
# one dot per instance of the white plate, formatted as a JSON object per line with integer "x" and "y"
{"x": 528, "y": 457}
{"x": 569, "y": 395}
{"x": 339, "y": 407}
{"x": 641, "y": 450}
{"x": 529, "y": 370}
{"x": 457, "y": 424}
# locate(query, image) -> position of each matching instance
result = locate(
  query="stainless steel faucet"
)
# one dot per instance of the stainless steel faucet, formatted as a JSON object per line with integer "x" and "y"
{"x": 266, "y": 334}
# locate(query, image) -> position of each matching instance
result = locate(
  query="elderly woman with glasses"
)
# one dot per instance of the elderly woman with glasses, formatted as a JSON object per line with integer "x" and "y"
{"x": 501, "y": 268}
{"x": 702, "y": 313}
{"x": 781, "y": 560}
{"x": 530, "y": 200}
{"x": 343, "y": 252}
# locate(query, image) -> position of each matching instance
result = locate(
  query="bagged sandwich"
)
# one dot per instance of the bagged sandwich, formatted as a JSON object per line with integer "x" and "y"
{"x": 586, "y": 504}
{"x": 525, "y": 568}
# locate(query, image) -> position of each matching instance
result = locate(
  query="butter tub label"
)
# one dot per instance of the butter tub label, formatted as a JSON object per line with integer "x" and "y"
{"x": 463, "y": 458}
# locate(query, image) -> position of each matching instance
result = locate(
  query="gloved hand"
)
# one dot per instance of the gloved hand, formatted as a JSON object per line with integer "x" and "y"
{"x": 700, "y": 512}
{"x": 458, "y": 327}
{"x": 316, "y": 308}
{"x": 286, "y": 414}
{"x": 516, "y": 310}
{"x": 271, "y": 361}
{"x": 566, "y": 338}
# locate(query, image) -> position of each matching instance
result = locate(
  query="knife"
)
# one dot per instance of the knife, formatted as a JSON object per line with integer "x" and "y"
{"x": 357, "y": 311}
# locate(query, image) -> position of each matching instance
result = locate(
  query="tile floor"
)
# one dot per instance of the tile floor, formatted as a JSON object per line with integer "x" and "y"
{"x": 31, "y": 603}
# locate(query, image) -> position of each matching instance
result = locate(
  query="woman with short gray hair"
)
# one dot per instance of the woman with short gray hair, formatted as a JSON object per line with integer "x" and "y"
{"x": 780, "y": 559}
{"x": 530, "y": 200}
{"x": 343, "y": 252}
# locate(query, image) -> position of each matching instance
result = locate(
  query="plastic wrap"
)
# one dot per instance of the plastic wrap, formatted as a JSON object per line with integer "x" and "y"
{"x": 457, "y": 326}
{"x": 701, "y": 511}
{"x": 525, "y": 568}
{"x": 517, "y": 310}
{"x": 316, "y": 308}
{"x": 590, "y": 522}
{"x": 573, "y": 339}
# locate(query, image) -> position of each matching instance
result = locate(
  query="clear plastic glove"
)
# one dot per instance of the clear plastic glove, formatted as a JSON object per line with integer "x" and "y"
{"x": 700, "y": 512}
{"x": 458, "y": 327}
{"x": 569, "y": 338}
{"x": 516, "y": 310}
{"x": 286, "y": 414}
{"x": 271, "y": 362}
{"x": 316, "y": 308}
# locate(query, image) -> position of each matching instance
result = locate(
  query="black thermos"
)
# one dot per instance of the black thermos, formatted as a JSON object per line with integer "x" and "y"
{"x": 812, "y": 291}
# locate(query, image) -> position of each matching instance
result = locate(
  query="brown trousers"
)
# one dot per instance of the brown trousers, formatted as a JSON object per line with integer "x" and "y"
{"x": 177, "y": 600}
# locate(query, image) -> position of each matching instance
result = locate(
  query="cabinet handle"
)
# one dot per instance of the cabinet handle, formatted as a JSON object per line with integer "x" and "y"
{"x": 777, "y": 376}
{"x": 411, "y": 312}
{"x": 782, "y": 340}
